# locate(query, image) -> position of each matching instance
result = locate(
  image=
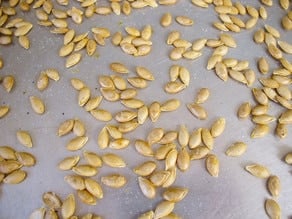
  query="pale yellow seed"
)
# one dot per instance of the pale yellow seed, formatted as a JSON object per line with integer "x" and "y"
{"x": 259, "y": 36}
{"x": 23, "y": 30}
{"x": 117, "y": 38}
{"x": 77, "y": 83}
{"x": 274, "y": 51}
{"x": 146, "y": 168}
{"x": 270, "y": 39}
{"x": 236, "y": 149}
{"x": 195, "y": 138}
{"x": 221, "y": 71}
{"x": 183, "y": 136}
{"x": 93, "y": 103}
{"x": 8, "y": 82}
{"x": 101, "y": 115}
{"x": 274, "y": 186}
{"x": 8, "y": 166}
{"x": 142, "y": 114}
{"x": 83, "y": 96}
{"x": 38, "y": 213}
{"x": 197, "y": 110}
{"x": 207, "y": 138}
{"x": 91, "y": 47}
{"x": 147, "y": 187}
{"x": 228, "y": 40}
{"x": 183, "y": 159}
{"x": 144, "y": 73}
{"x": 128, "y": 126}
{"x": 86, "y": 197}
{"x": 113, "y": 160}
{"x": 66, "y": 127}
{"x": 251, "y": 23}
{"x": 24, "y": 138}
{"x": 77, "y": 143}
{"x": 119, "y": 68}
{"x": 163, "y": 150}
{"x": 200, "y": 3}
{"x": 263, "y": 65}
{"x": 171, "y": 178}
{"x": 68, "y": 163}
{"x": 125, "y": 116}
{"x": 137, "y": 82}
{"x": 285, "y": 46}
{"x": 114, "y": 180}
{"x": 143, "y": 148}
{"x": 260, "y": 131}
{"x": 7, "y": 153}
{"x": 263, "y": 119}
{"x": 260, "y": 96}
{"x": 184, "y": 20}
{"x": 119, "y": 82}
{"x": 199, "y": 152}
{"x": 15, "y": 177}
{"x": 259, "y": 110}
{"x": 129, "y": 48}
{"x": 133, "y": 103}
{"x": 85, "y": 170}
{"x": 258, "y": 170}
{"x": 92, "y": 158}
{"x": 176, "y": 53}
{"x": 155, "y": 135}
{"x": 175, "y": 194}
{"x": 72, "y": 60}
{"x": 272, "y": 31}
{"x": 51, "y": 200}
{"x": 202, "y": 95}
{"x": 286, "y": 117}
{"x": 68, "y": 206}
{"x": 170, "y": 159}
{"x": 212, "y": 61}
{"x": 273, "y": 209}
{"x": 25, "y": 158}
{"x": 166, "y": 20}
{"x": 174, "y": 87}
{"x": 154, "y": 111}
{"x": 53, "y": 74}
{"x": 218, "y": 127}
{"x": 75, "y": 181}
{"x": 128, "y": 93}
{"x": 263, "y": 13}
{"x": 93, "y": 188}
{"x": 37, "y": 104}
{"x": 288, "y": 158}
{"x": 212, "y": 165}
{"x": 146, "y": 215}
{"x": 172, "y": 37}
{"x": 119, "y": 143}
{"x": 244, "y": 110}
{"x": 158, "y": 177}
{"x": 146, "y": 33}
{"x": 182, "y": 43}
{"x": 170, "y": 105}
{"x": 110, "y": 94}
{"x": 281, "y": 130}
{"x": 4, "y": 111}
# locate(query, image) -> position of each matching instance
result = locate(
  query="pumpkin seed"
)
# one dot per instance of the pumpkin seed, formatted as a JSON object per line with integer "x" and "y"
{"x": 146, "y": 168}
{"x": 163, "y": 208}
{"x": 101, "y": 115}
{"x": 259, "y": 110}
{"x": 281, "y": 130}
{"x": 24, "y": 138}
{"x": 284, "y": 92}
{"x": 7, "y": 153}
{"x": 236, "y": 149}
{"x": 163, "y": 150}
{"x": 183, "y": 136}
{"x": 175, "y": 194}
{"x": 218, "y": 127}
{"x": 114, "y": 132}
{"x": 83, "y": 96}
{"x": 133, "y": 103}
{"x": 144, "y": 73}
{"x": 147, "y": 188}
{"x": 274, "y": 185}
{"x": 85, "y": 170}
{"x": 4, "y": 111}
{"x": 259, "y": 36}
{"x": 285, "y": 46}
{"x": 170, "y": 105}
{"x": 154, "y": 111}
{"x": 212, "y": 165}
{"x": 15, "y": 177}
{"x": 158, "y": 177}
{"x": 110, "y": 94}
{"x": 68, "y": 163}
{"x": 77, "y": 84}
{"x": 171, "y": 178}
{"x": 86, "y": 197}
{"x": 128, "y": 93}
{"x": 260, "y": 131}
{"x": 143, "y": 148}
{"x": 68, "y": 37}
{"x": 51, "y": 214}
{"x": 199, "y": 152}
{"x": 228, "y": 40}
{"x": 195, "y": 138}
{"x": 79, "y": 128}
{"x": 258, "y": 170}
{"x": 260, "y": 96}
{"x": 200, "y": 3}
{"x": 270, "y": 39}
{"x": 25, "y": 158}
{"x": 8, "y": 166}
{"x": 182, "y": 43}
{"x": 171, "y": 158}
{"x": 176, "y": 53}
{"x": 114, "y": 180}
{"x": 93, "y": 103}
{"x": 197, "y": 110}
{"x": 72, "y": 60}
{"x": 168, "y": 137}
{"x": 68, "y": 206}
{"x": 286, "y": 117}
{"x": 38, "y": 213}
{"x": 172, "y": 36}
{"x": 138, "y": 82}
{"x": 183, "y": 159}
{"x": 174, "y": 87}
{"x": 166, "y": 20}
{"x": 37, "y": 104}
{"x": 66, "y": 127}
{"x": 263, "y": 119}
{"x": 77, "y": 143}
{"x": 147, "y": 215}
{"x": 273, "y": 209}
{"x": 221, "y": 71}
{"x": 274, "y": 51}
{"x": 119, "y": 143}
{"x": 75, "y": 181}
{"x": 94, "y": 188}
{"x": 113, "y": 160}
{"x": 272, "y": 31}
{"x": 288, "y": 158}
{"x": 263, "y": 65}
{"x": 126, "y": 127}
{"x": 155, "y": 135}
{"x": 184, "y": 20}
{"x": 51, "y": 200}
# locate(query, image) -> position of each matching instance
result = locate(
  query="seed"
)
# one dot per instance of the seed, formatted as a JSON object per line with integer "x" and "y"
{"x": 286, "y": 117}
{"x": 174, "y": 35}
{"x": 144, "y": 73}
{"x": 128, "y": 48}
{"x": 146, "y": 168}
{"x": 125, "y": 116}
{"x": 138, "y": 82}
{"x": 147, "y": 188}
{"x": 195, "y": 138}
{"x": 147, "y": 215}
{"x": 93, "y": 103}
{"x": 24, "y": 138}
{"x": 176, "y": 53}
{"x": 175, "y": 194}
{"x": 68, "y": 163}
{"x": 154, "y": 111}
{"x": 15, "y": 177}
{"x": 68, "y": 206}
{"x": 37, "y": 104}
{"x": 207, "y": 138}
{"x": 8, "y": 166}
{"x": 273, "y": 209}
{"x": 197, "y": 110}
{"x": 23, "y": 30}
{"x": 184, "y": 75}
{"x": 192, "y": 55}
{"x": 126, "y": 127}
{"x": 166, "y": 20}
{"x": 146, "y": 33}
{"x": 142, "y": 114}
{"x": 155, "y": 135}
{"x": 183, "y": 136}
{"x": 85, "y": 170}
{"x": 263, "y": 65}
{"x": 274, "y": 185}
{"x": 143, "y": 148}
{"x": 26, "y": 159}
{"x": 260, "y": 96}
{"x": 79, "y": 128}
{"x": 68, "y": 37}
{"x": 183, "y": 159}
{"x": 260, "y": 131}
{"x": 284, "y": 92}
{"x": 83, "y": 96}
{"x": 77, "y": 143}
{"x": 51, "y": 200}
{"x": 128, "y": 93}
{"x": 218, "y": 127}
{"x": 212, "y": 165}
{"x": 75, "y": 181}
{"x": 263, "y": 119}
{"x": 228, "y": 40}
{"x": 4, "y": 111}
{"x": 119, "y": 143}
{"x": 110, "y": 94}
{"x": 73, "y": 59}
{"x": 163, "y": 208}
{"x": 270, "y": 93}
{"x": 288, "y": 158}
{"x": 199, "y": 152}
{"x": 173, "y": 87}
{"x": 66, "y": 127}
{"x": 269, "y": 82}
{"x": 184, "y": 20}
{"x": 202, "y": 95}
{"x": 86, "y": 197}
{"x": 113, "y": 160}
{"x": 259, "y": 110}
{"x": 90, "y": 47}
{"x": 212, "y": 61}
{"x": 117, "y": 38}
{"x": 272, "y": 31}
{"x": 281, "y": 130}
{"x": 259, "y": 36}
{"x": 200, "y": 3}
{"x": 258, "y": 170}
{"x": 77, "y": 84}
{"x": 221, "y": 71}
{"x": 270, "y": 39}
{"x": 101, "y": 115}
{"x": 182, "y": 43}
{"x": 170, "y": 105}
{"x": 274, "y": 51}
{"x": 159, "y": 177}
{"x": 38, "y": 213}
{"x": 7, "y": 153}
{"x": 94, "y": 188}
{"x": 236, "y": 149}
{"x": 114, "y": 132}
{"x": 171, "y": 158}
{"x": 285, "y": 46}
{"x": 133, "y": 103}
{"x": 114, "y": 180}
{"x": 163, "y": 150}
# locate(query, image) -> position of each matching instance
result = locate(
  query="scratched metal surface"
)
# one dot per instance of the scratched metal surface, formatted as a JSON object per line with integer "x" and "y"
{"x": 235, "y": 194}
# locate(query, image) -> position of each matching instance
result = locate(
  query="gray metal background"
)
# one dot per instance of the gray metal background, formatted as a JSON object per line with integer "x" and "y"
{"x": 234, "y": 194}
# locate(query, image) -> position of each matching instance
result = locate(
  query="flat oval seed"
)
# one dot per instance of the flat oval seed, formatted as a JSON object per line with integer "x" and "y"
{"x": 258, "y": 170}
{"x": 212, "y": 165}
{"x": 147, "y": 188}
{"x": 146, "y": 168}
{"x": 93, "y": 103}
{"x": 38, "y": 213}
{"x": 119, "y": 143}
{"x": 83, "y": 96}
{"x": 85, "y": 170}
{"x": 119, "y": 82}
{"x": 77, "y": 83}
{"x": 236, "y": 149}
{"x": 163, "y": 208}
{"x": 202, "y": 95}
{"x": 159, "y": 177}
{"x": 155, "y": 135}
{"x": 51, "y": 200}
{"x": 101, "y": 115}
{"x": 168, "y": 137}
{"x": 183, "y": 136}
{"x": 175, "y": 194}
{"x": 260, "y": 96}
{"x": 274, "y": 185}
{"x": 154, "y": 111}
{"x": 72, "y": 60}
{"x": 263, "y": 65}
{"x": 113, "y": 160}
{"x": 79, "y": 128}
{"x": 8, "y": 166}
{"x": 273, "y": 209}
{"x": 195, "y": 138}
{"x": 133, "y": 103}
{"x": 110, "y": 94}
{"x": 147, "y": 215}
{"x": 66, "y": 127}
{"x": 94, "y": 188}
{"x": 281, "y": 130}
{"x": 218, "y": 127}
{"x": 15, "y": 177}
{"x": 144, "y": 73}
{"x": 171, "y": 158}
{"x": 199, "y": 152}
{"x": 114, "y": 180}
{"x": 183, "y": 159}
{"x": 92, "y": 159}
{"x": 244, "y": 110}
{"x": 207, "y": 138}
{"x": 75, "y": 181}
{"x": 166, "y": 20}
{"x": 174, "y": 87}
{"x": 25, "y": 158}
{"x": 119, "y": 68}
{"x": 260, "y": 131}
{"x": 7, "y": 153}
{"x": 138, "y": 82}
{"x": 24, "y": 138}
{"x": 125, "y": 116}
{"x": 286, "y": 117}
{"x": 86, "y": 197}
{"x": 68, "y": 163}
{"x": 77, "y": 143}
{"x": 185, "y": 21}
{"x": 68, "y": 206}
{"x": 37, "y": 105}
{"x": 197, "y": 110}
{"x": 170, "y": 105}
{"x": 4, "y": 111}
{"x": 288, "y": 158}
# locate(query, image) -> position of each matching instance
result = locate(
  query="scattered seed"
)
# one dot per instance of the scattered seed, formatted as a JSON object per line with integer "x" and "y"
{"x": 114, "y": 180}
{"x": 85, "y": 170}
{"x": 258, "y": 170}
{"x": 199, "y": 152}
{"x": 175, "y": 194}
{"x": 146, "y": 168}
{"x": 51, "y": 200}
{"x": 24, "y": 138}
{"x": 183, "y": 159}
{"x": 77, "y": 143}
{"x": 163, "y": 208}
{"x": 86, "y": 197}
{"x": 218, "y": 127}
{"x": 15, "y": 177}
{"x": 4, "y": 111}
{"x": 273, "y": 209}
{"x": 73, "y": 59}
{"x": 113, "y": 160}
{"x": 75, "y": 181}
{"x": 93, "y": 188}
{"x": 68, "y": 163}
{"x": 147, "y": 188}
{"x": 155, "y": 135}
{"x": 197, "y": 110}
{"x": 25, "y": 158}
{"x": 166, "y": 20}
{"x": 185, "y": 21}
{"x": 68, "y": 206}
{"x": 274, "y": 185}
{"x": 236, "y": 149}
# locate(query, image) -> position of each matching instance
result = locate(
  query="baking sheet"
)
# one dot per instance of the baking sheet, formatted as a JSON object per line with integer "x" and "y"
{"x": 234, "y": 194}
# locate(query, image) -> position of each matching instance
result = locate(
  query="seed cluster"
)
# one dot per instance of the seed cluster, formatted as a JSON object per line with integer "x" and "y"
{"x": 174, "y": 149}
